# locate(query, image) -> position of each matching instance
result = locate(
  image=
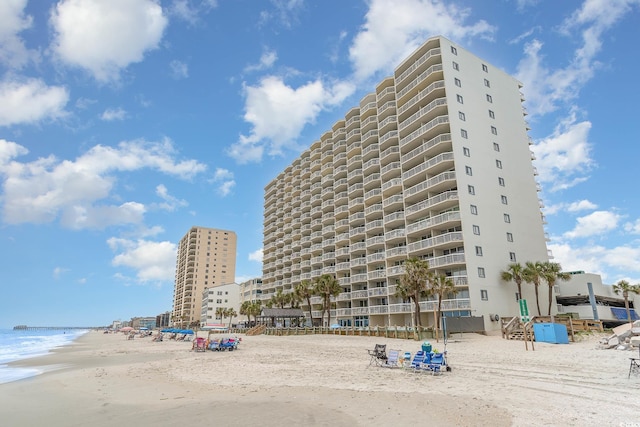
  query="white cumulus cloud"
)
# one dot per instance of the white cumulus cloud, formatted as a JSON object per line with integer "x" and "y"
{"x": 13, "y": 52}
{"x": 256, "y": 255}
{"x": 111, "y": 114}
{"x": 152, "y": 261}
{"x": 394, "y": 29}
{"x": 30, "y": 101}
{"x": 77, "y": 191}
{"x": 103, "y": 37}
{"x": 278, "y": 113}
{"x": 563, "y": 159}
{"x": 596, "y": 223}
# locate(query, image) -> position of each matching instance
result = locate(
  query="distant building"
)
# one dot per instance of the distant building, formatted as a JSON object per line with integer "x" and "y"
{"x": 163, "y": 320}
{"x": 435, "y": 163}
{"x": 206, "y": 259}
{"x": 143, "y": 322}
{"x": 224, "y": 296}
{"x": 251, "y": 290}
{"x": 585, "y": 296}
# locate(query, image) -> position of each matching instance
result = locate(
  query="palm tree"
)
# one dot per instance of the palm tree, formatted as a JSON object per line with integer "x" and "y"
{"x": 326, "y": 286}
{"x": 441, "y": 286}
{"x": 552, "y": 272}
{"x": 415, "y": 284}
{"x": 514, "y": 272}
{"x": 280, "y": 299}
{"x": 244, "y": 310}
{"x": 230, "y": 313}
{"x": 532, "y": 273}
{"x": 625, "y": 288}
{"x": 254, "y": 310}
{"x": 220, "y": 313}
{"x": 304, "y": 291}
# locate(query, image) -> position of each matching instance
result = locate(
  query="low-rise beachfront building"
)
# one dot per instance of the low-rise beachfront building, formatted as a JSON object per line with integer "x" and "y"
{"x": 206, "y": 258}
{"x": 434, "y": 164}
{"x": 143, "y": 322}
{"x": 586, "y": 297}
{"x": 250, "y": 290}
{"x": 225, "y": 296}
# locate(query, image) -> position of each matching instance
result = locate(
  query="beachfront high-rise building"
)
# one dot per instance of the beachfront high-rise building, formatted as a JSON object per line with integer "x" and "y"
{"x": 206, "y": 258}
{"x": 435, "y": 164}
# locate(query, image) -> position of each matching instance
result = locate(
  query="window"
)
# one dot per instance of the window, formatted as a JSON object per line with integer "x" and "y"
{"x": 501, "y": 181}
{"x": 456, "y": 66}
{"x": 485, "y": 68}
{"x": 454, "y": 50}
{"x": 471, "y": 189}
{"x": 219, "y": 301}
{"x": 507, "y": 218}
{"x": 458, "y": 82}
{"x": 461, "y": 116}
{"x": 503, "y": 199}
{"x": 476, "y": 230}
{"x": 460, "y": 99}
{"x": 464, "y": 133}
{"x": 466, "y": 151}
{"x": 474, "y": 210}
{"x": 486, "y": 83}
{"x": 484, "y": 295}
{"x": 489, "y": 98}
{"x": 499, "y": 164}
{"x": 512, "y": 256}
{"x": 496, "y": 146}
{"x": 479, "y": 250}
{"x": 492, "y": 114}
{"x": 509, "y": 237}
{"x": 480, "y": 271}
{"x": 468, "y": 170}
{"x": 494, "y": 130}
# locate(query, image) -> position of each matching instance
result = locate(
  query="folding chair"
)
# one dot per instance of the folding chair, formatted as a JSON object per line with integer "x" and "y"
{"x": 378, "y": 355}
{"x": 634, "y": 366}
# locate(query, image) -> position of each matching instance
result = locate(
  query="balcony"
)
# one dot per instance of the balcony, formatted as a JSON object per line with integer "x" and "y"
{"x": 454, "y": 238}
{"x": 427, "y": 223}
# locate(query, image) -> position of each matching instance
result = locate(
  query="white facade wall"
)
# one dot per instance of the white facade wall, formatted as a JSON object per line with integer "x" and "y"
{"x": 391, "y": 181}
{"x": 225, "y": 296}
{"x": 250, "y": 290}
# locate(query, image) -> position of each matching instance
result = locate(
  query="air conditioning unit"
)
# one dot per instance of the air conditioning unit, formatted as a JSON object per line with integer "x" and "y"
{"x": 494, "y": 317}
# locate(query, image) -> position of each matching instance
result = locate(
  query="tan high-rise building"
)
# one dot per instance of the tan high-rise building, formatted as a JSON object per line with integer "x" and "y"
{"x": 434, "y": 164}
{"x": 206, "y": 259}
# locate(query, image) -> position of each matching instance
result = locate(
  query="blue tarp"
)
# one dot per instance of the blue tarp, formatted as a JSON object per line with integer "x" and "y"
{"x": 621, "y": 313}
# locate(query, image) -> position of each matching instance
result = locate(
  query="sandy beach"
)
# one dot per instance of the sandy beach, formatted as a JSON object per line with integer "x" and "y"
{"x": 106, "y": 380}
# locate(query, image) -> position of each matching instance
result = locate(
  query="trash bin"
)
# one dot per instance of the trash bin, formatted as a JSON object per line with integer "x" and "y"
{"x": 426, "y": 347}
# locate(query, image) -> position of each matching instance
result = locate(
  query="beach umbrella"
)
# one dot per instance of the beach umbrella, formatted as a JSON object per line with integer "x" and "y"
{"x": 167, "y": 330}
{"x": 144, "y": 329}
{"x": 126, "y": 329}
{"x": 186, "y": 331}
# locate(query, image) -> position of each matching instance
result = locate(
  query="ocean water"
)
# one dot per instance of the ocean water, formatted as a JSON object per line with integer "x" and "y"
{"x": 17, "y": 345}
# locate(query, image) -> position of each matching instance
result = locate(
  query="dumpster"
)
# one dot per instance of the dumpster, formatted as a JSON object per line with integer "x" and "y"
{"x": 551, "y": 332}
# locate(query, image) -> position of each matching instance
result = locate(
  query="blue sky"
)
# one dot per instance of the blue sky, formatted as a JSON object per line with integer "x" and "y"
{"x": 124, "y": 123}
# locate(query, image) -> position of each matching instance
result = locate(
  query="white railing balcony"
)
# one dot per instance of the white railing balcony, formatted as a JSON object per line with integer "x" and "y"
{"x": 433, "y": 221}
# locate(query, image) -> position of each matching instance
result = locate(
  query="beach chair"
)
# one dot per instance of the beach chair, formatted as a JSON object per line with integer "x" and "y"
{"x": 436, "y": 363}
{"x": 199, "y": 344}
{"x": 418, "y": 361}
{"x": 634, "y": 366}
{"x": 392, "y": 359}
{"x": 378, "y": 355}
{"x": 214, "y": 345}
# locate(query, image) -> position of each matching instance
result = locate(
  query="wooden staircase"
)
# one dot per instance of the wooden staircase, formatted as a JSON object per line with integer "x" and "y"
{"x": 257, "y": 330}
{"x": 514, "y": 329}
